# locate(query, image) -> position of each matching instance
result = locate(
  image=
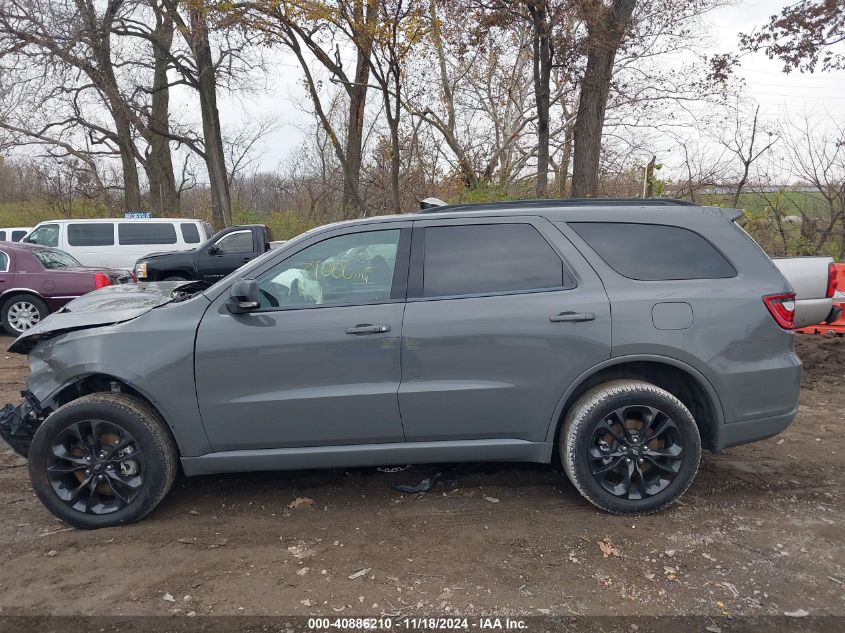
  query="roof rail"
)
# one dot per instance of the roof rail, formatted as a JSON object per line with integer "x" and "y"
{"x": 563, "y": 202}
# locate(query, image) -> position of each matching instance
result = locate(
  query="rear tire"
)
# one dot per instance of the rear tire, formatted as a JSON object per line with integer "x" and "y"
{"x": 22, "y": 311}
{"x": 103, "y": 460}
{"x": 630, "y": 447}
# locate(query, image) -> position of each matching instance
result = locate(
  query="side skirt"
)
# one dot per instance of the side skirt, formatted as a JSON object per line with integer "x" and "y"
{"x": 353, "y": 455}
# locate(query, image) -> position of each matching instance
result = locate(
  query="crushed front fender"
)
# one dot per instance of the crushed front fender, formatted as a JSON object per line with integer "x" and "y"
{"x": 18, "y": 425}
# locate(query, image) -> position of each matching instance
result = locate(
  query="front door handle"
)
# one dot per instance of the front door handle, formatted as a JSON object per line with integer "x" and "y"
{"x": 366, "y": 328}
{"x": 572, "y": 317}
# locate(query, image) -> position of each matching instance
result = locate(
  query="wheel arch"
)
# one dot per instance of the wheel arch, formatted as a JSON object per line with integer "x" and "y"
{"x": 105, "y": 383}
{"x": 678, "y": 378}
{"x": 20, "y": 291}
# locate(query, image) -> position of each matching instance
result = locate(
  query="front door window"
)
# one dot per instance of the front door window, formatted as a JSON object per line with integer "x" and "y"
{"x": 345, "y": 270}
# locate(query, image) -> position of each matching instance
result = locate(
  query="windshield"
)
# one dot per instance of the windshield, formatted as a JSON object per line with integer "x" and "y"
{"x": 53, "y": 259}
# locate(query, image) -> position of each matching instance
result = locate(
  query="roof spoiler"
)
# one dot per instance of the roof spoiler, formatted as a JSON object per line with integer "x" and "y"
{"x": 732, "y": 214}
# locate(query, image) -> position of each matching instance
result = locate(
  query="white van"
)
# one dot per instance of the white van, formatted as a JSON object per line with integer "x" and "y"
{"x": 14, "y": 234}
{"x": 119, "y": 243}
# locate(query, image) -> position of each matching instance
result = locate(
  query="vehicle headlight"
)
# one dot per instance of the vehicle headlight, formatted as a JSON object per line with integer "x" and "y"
{"x": 141, "y": 270}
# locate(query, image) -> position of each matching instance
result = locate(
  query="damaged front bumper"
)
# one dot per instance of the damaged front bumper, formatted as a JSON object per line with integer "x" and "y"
{"x": 18, "y": 424}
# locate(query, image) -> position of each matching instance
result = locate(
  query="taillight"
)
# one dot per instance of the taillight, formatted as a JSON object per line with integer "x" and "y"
{"x": 832, "y": 281}
{"x": 782, "y": 308}
{"x": 101, "y": 280}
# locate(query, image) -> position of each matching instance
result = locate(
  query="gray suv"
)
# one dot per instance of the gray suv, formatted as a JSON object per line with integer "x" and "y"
{"x": 620, "y": 337}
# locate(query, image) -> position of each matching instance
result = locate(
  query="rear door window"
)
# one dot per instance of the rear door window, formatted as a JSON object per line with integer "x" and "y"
{"x": 90, "y": 234}
{"x": 17, "y": 236}
{"x": 489, "y": 259}
{"x": 190, "y": 233}
{"x": 2, "y": 236}
{"x": 4, "y": 262}
{"x": 132, "y": 233}
{"x": 654, "y": 252}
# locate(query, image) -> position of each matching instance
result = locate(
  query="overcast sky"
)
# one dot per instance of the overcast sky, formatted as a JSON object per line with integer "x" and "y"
{"x": 821, "y": 95}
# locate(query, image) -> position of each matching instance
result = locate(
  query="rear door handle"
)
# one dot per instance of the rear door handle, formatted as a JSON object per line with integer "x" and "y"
{"x": 366, "y": 328}
{"x": 572, "y": 317}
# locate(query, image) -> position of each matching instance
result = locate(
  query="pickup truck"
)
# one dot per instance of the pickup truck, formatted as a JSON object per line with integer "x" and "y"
{"x": 223, "y": 253}
{"x": 814, "y": 280}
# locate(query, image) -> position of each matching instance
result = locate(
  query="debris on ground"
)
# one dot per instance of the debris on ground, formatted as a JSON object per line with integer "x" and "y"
{"x": 359, "y": 573}
{"x": 608, "y": 548}
{"x": 300, "y": 502}
{"x": 300, "y": 551}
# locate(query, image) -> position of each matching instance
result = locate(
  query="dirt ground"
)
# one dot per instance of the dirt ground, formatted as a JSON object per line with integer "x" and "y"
{"x": 760, "y": 532}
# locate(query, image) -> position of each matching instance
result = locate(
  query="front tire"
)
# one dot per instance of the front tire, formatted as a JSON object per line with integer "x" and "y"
{"x": 21, "y": 312}
{"x": 630, "y": 447}
{"x": 103, "y": 460}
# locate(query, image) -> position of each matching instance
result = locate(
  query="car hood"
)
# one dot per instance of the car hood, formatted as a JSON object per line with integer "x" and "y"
{"x": 156, "y": 254}
{"x": 106, "y": 306}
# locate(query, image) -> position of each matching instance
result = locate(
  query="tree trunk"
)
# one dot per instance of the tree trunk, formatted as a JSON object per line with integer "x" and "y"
{"x": 564, "y": 162}
{"x": 164, "y": 198}
{"x": 131, "y": 182}
{"x": 542, "y": 50}
{"x": 395, "y": 165}
{"x": 605, "y": 33}
{"x": 221, "y": 204}
{"x": 357, "y": 110}
{"x": 104, "y": 78}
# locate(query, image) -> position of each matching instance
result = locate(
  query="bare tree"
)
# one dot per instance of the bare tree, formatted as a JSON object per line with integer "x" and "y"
{"x": 802, "y": 35}
{"x": 747, "y": 142}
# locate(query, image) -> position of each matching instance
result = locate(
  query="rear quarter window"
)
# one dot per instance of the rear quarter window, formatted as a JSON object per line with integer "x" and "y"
{"x": 654, "y": 252}
{"x": 132, "y": 233}
{"x": 190, "y": 233}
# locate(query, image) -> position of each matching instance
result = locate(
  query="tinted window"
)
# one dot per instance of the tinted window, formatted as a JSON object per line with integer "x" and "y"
{"x": 488, "y": 258}
{"x": 234, "y": 243}
{"x": 356, "y": 268}
{"x": 53, "y": 259}
{"x": 190, "y": 233}
{"x": 17, "y": 236}
{"x": 209, "y": 231}
{"x": 654, "y": 252}
{"x": 90, "y": 234}
{"x": 45, "y": 235}
{"x": 2, "y": 236}
{"x": 4, "y": 262}
{"x": 143, "y": 233}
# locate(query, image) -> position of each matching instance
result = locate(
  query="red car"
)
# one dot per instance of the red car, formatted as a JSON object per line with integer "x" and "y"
{"x": 36, "y": 280}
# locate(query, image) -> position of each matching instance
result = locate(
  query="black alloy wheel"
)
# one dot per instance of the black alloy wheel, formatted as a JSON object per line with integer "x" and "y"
{"x": 96, "y": 467}
{"x": 636, "y": 452}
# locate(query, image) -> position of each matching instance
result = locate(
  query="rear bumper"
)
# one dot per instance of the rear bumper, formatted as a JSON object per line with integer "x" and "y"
{"x": 747, "y": 431}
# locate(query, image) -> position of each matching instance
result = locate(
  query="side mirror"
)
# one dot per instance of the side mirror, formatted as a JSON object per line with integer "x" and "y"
{"x": 214, "y": 250}
{"x": 243, "y": 296}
